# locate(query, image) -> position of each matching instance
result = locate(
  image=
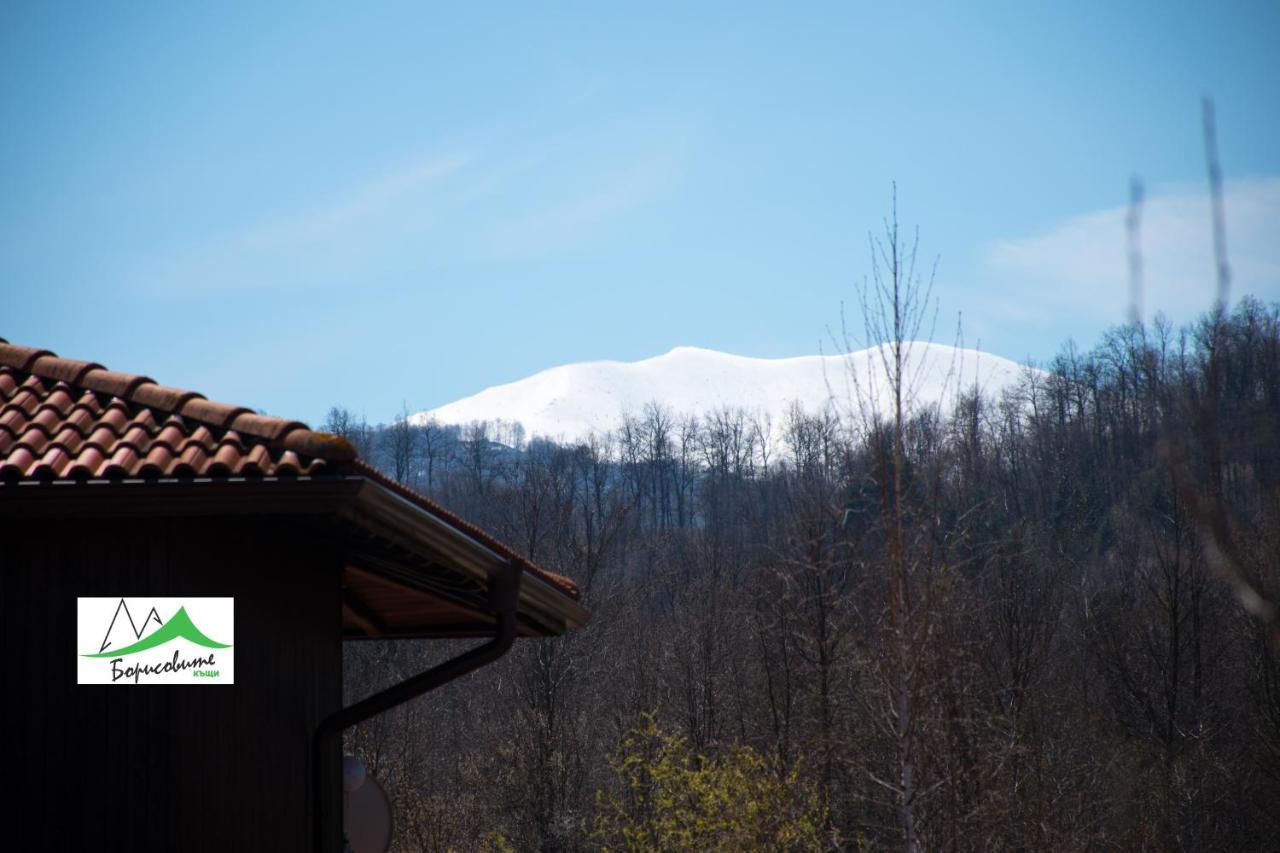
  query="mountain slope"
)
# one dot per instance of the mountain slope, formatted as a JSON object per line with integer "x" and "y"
{"x": 570, "y": 401}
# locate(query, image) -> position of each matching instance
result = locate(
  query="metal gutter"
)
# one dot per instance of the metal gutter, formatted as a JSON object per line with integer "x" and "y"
{"x": 390, "y": 516}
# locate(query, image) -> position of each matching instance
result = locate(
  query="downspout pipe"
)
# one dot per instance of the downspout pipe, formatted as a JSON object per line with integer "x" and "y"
{"x": 504, "y": 592}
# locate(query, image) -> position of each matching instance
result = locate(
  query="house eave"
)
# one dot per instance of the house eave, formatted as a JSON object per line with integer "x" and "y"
{"x": 405, "y": 528}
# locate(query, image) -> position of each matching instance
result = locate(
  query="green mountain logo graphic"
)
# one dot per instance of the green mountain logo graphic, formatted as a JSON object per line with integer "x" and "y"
{"x": 179, "y": 626}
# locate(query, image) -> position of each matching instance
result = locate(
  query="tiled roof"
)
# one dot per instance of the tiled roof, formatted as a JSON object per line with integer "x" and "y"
{"x": 62, "y": 419}
{"x": 68, "y": 420}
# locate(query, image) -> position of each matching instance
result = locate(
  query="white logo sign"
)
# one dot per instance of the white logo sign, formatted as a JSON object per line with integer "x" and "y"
{"x": 155, "y": 641}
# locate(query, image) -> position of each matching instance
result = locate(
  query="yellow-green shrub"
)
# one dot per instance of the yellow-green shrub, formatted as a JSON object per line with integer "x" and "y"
{"x": 671, "y": 798}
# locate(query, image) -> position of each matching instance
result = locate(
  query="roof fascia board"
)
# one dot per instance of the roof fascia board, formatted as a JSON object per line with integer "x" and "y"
{"x": 230, "y": 496}
{"x": 382, "y": 511}
{"x": 387, "y": 514}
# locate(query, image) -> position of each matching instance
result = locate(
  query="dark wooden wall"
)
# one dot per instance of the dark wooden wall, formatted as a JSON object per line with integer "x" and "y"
{"x": 166, "y": 767}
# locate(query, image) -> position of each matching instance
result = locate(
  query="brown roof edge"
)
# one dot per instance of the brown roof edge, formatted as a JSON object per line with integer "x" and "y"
{"x": 559, "y": 582}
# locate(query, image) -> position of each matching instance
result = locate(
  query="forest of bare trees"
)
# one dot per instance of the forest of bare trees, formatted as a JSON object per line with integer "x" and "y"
{"x": 1019, "y": 624}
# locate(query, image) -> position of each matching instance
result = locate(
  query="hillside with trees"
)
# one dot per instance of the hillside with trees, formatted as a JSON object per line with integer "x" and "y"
{"x": 1038, "y": 622}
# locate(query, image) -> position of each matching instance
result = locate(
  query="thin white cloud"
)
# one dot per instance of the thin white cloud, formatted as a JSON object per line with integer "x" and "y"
{"x": 336, "y": 239}
{"x": 366, "y": 201}
{"x": 568, "y": 224}
{"x": 442, "y": 208}
{"x": 1081, "y": 265}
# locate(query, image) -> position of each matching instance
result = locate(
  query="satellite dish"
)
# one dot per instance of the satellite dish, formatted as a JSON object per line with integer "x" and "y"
{"x": 366, "y": 811}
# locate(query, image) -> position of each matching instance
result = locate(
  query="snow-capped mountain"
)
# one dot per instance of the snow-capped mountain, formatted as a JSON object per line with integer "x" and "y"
{"x": 573, "y": 400}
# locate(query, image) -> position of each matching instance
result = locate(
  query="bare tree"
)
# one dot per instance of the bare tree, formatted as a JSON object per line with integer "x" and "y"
{"x": 400, "y": 441}
{"x": 894, "y": 307}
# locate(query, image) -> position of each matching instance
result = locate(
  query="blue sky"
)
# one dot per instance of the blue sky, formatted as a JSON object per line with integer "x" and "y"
{"x": 377, "y": 204}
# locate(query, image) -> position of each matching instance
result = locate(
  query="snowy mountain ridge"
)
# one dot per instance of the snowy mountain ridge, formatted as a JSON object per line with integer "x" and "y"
{"x": 569, "y": 402}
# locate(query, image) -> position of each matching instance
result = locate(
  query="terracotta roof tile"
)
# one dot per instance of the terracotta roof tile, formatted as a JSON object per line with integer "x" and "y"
{"x": 63, "y": 369}
{"x": 136, "y": 436}
{"x": 47, "y": 420}
{"x": 120, "y": 463}
{"x": 199, "y": 436}
{"x": 25, "y": 400}
{"x": 253, "y": 462}
{"x": 219, "y": 414}
{"x": 81, "y": 418}
{"x": 192, "y": 459}
{"x": 19, "y": 357}
{"x": 289, "y": 463}
{"x": 227, "y": 456}
{"x": 111, "y": 382}
{"x": 264, "y": 426}
{"x": 13, "y": 421}
{"x": 162, "y": 397}
{"x": 16, "y": 463}
{"x": 306, "y": 442}
{"x": 156, "y": 462}
{"x": 51, "y": 464}
{"x": 115, "y": 417}
{"x": 67, "y": 419}
{"x": 86, "y": 464}
{"x": 60, "y": 399}
{"x": 102, "y": 436}
{"x": 35, "y": 440}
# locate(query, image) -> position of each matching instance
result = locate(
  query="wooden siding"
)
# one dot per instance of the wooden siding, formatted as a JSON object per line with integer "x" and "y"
{"x": 167, "y": 767}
